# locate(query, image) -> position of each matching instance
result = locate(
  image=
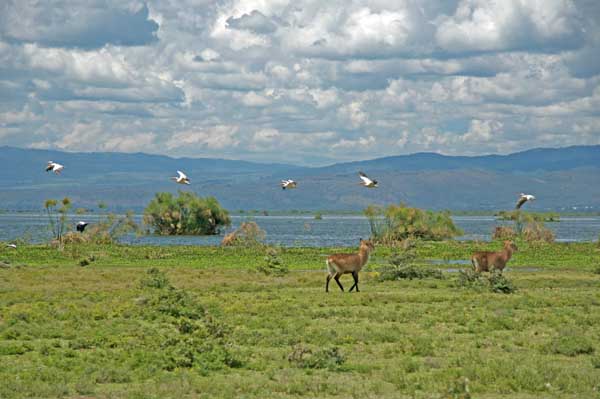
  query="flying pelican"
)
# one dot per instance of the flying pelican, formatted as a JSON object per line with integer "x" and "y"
{"x": 366, "y": 181}
{"x": 288, "y": 184}
{"x": 181, "y": 179}
{"x": 55, "y": 167}
{"x": 523, "y": 198}
{"x": 81, "y": 226}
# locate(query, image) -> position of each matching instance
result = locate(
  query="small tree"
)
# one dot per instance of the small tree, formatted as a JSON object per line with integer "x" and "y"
{"x": 186, "y": 214}
{"x": 57, "y": 217}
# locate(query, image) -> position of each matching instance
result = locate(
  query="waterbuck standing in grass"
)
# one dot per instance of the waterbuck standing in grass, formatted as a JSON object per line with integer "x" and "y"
{"x": 487, "y": 261}
{"x": 339, "y": 264}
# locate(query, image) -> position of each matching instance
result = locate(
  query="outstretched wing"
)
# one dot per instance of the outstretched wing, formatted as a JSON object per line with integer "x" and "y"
{"x": 181, "y": 175}
{"x": 365, "y": 178}
{"x": 522, "y": 200}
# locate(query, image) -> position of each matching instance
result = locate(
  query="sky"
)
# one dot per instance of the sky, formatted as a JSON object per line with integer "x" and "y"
{"x": 308, "y": 82}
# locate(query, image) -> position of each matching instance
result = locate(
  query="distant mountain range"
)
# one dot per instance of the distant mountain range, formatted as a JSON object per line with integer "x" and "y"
{"x": 561, "y": 179}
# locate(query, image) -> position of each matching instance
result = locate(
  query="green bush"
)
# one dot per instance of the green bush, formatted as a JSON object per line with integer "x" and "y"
{"x": 401, "y": 265}
{"x": 494, "y": 282}
{"x": 186, "y": 214}
{"x": 500, "y": 284}
{"x": 571, "y": 343}
{"x": 398, "y": 222}
{"x": 189, "y": 336}
{"x": 327, "y": 358}
{"x": 273, "y": 263}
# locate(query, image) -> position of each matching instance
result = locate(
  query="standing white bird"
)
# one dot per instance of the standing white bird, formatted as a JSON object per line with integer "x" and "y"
{"x": 289, "y": 183}
{"x": 55, "y": 167}
{"x": 366, "y": 181}
{"x": 81, "y": 225}
{"x": 181, "y": 179}
{"x": 523, "y": 198}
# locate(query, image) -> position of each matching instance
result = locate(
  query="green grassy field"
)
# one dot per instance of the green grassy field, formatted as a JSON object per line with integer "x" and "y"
{"x": 206, "y": 324}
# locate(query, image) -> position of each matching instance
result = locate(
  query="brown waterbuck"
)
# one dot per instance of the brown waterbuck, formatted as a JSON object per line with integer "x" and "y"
{"x": 339, "y": 264}
{"x": 487, "y": 261}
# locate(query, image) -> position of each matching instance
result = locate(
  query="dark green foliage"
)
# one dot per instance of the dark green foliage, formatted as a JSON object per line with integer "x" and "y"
{"x": 500, "y": 284}
{"x": 327, "y": 358}
{"x": 460, "y": 389}
{"x": 411, "y": 272}
{"x": 516, "y": 214}
{"x": 494, "y": 281}
{"x": 469, "y": 278}
{"x": 155, "y": 279}
{"x": 190, "y": 337}
{"x": 401, "y": 265}
{"x": 399, "y": 222}
{"x": 571, "y": 343}
{"x": 186, "y": 214}
{"x": 273, "y": 264}
{"x": 87, "y": 261}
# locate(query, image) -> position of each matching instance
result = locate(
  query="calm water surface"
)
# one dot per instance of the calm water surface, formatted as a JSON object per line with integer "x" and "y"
{"x": 304, "y": 231}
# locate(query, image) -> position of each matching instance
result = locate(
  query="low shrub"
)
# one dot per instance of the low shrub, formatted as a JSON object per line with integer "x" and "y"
{"x": 535, "y": 231}
{"x": 401, "y": 265}
{"x": 571, "y": 343}
{"x": 494, "y": 282}
{"x": 504, "y": 233}
{"x": 273, "y": 264}
{"x": 249, "y": 234}
{"x": 327, "y": 358}
{"x": 189, "y": 336}
{"x": 500, "y": 284}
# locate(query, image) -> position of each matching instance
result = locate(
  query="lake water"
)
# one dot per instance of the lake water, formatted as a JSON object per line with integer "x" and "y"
{"x": 303, "y": 231}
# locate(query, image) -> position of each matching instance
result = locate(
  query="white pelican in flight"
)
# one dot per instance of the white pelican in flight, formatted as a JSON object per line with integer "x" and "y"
{"x": 55, "y": 167}
{"x": 523, "y": 198}
{"x": 288, "y": 184}
{"x": 181, "y": 179}
{"x": 366, "y": 181}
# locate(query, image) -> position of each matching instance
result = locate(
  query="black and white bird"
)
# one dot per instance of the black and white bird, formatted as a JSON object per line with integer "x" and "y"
{"x": 366, "y": 181}
{"x": 13, "y": 246}
{"x": 288, "y": 184}
{"x": 523, "y": 198}
{"x": 54, "y": 167}
{"x": 81, "y": 225}
{"x": 181, "y": 178}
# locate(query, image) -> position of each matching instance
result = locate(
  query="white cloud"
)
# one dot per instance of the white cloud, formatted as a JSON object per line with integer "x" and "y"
{"x": 307, "y": 81}
{"x": 215, "y": 137}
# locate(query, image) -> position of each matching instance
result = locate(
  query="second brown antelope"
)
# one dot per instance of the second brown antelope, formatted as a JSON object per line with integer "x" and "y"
{"x": 487, "y": 261}
{"x": 339, "y": 264}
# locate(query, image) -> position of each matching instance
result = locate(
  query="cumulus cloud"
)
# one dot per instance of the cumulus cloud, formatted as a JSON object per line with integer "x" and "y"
{"x": 309, "y": 82}
{"x": 62, "y": 24}
{"x": 215, "y": 138}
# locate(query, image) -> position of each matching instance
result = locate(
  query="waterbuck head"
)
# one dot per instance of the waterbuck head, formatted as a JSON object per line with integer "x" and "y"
{"x": 511, "y": 245}
{"x": 367, "y": 245}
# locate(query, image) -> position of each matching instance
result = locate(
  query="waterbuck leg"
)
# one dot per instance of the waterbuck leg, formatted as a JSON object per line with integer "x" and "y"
{"x": 337, "y": 280}
{"x": 355, "y": 277}
{"x": 327, "y": 283}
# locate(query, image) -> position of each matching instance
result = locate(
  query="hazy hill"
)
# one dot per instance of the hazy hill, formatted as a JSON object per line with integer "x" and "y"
{"x": 560, "y": 178}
